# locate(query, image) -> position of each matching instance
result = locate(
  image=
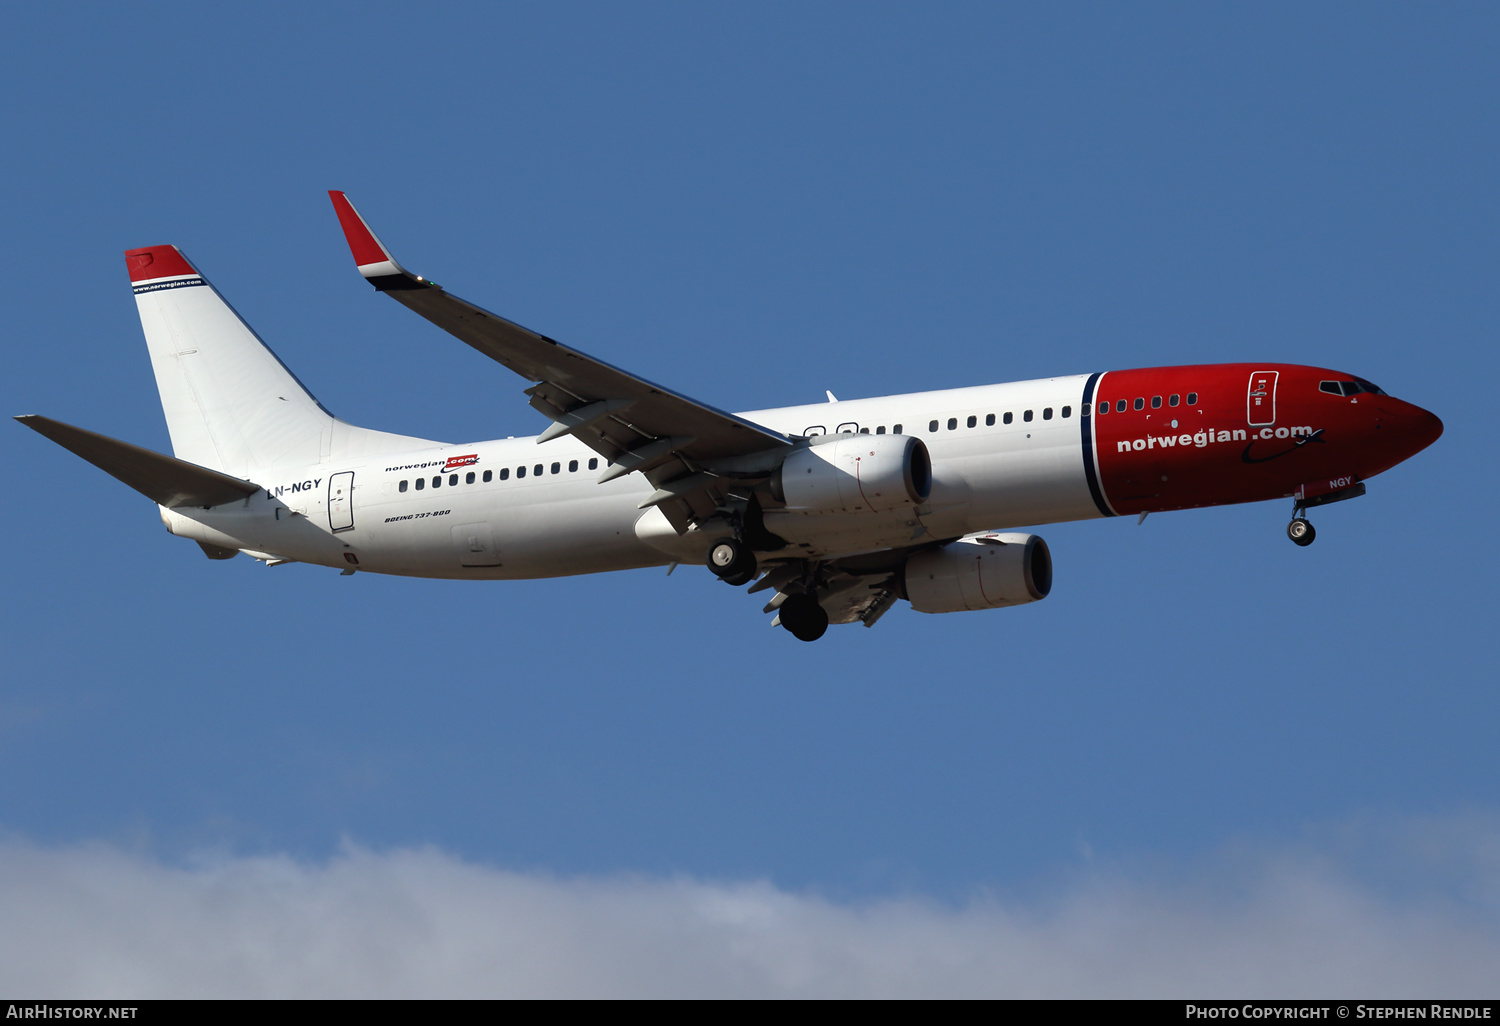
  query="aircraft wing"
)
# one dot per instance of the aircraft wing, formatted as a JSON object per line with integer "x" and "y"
{"x": 635, "y": 424}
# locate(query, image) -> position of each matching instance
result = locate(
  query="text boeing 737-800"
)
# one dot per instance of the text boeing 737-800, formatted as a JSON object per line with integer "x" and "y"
{"x": 838, "y": 509}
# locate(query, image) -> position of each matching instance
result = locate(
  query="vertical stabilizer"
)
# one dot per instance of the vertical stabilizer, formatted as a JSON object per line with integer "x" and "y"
{"x": 230, "y": 403}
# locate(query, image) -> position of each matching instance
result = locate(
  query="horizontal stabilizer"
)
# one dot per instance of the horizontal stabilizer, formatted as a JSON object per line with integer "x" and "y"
{"x": 167, "y": 481}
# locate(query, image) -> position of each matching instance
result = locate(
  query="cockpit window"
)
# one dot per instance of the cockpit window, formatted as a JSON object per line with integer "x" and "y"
{"x": 1354, "y": 387}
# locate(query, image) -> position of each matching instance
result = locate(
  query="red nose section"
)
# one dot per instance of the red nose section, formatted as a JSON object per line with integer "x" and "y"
{"x": 1424, "y": 429}
{"x": 1411, "y": 428}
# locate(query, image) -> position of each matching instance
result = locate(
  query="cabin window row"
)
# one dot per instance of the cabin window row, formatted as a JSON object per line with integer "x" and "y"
{"x": 1121, "y": 405}
{"x": 847, "y": 428}
{"x": 1027, "y": 417}
{"x": 489, "y": 475}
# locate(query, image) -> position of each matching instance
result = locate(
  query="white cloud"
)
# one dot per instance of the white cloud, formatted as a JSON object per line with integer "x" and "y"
{"x": 100, "y": 921}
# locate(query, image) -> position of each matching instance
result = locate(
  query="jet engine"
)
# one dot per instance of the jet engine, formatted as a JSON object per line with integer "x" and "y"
{"x": 855, "y": 473}
{"x": 984, "y": 571}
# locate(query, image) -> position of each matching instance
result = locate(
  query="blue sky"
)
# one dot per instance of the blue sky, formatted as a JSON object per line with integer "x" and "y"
{"x": 753, "y": 204}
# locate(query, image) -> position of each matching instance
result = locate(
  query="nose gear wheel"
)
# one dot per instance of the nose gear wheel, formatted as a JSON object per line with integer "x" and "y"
{"x": 1301, "y": 532}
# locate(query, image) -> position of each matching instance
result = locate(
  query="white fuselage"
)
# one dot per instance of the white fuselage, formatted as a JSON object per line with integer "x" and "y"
{"x": 542, "y": 513}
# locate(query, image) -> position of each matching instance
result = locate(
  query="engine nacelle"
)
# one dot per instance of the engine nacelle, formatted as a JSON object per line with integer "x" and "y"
{"x": 855, "y": 473}
{"x": 986, "y": 571}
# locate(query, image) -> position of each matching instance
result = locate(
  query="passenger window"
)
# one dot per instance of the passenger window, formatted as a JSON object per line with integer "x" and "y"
{"x": 932, "y": 425}
{"x": 421, "y": 483}
{"x": 594, "y": 463}
{"x": 1047, "y": 413}
{"x": 864, "y": 431}
{"x": 401, "y": 487}
{"x": 1026, "y": 416}
{"x": 536, "y": 471}
{"x": 1156, "y": 402}
{"x": 520, "y": 472}
{"x": 1067, "y": 412}
{"x": 1104, "y": 407}
{"x": 1009, "y": 417}
{"x": 880, "y": 430}
{"x": 1192, "y": 398}
{"x": 952, "y": 423}
{"x": 505, "y": 473}
{"x": 489, "y": 475}
{"x": 437, "y": 482}
{"x": 989, "y": 420}
{"x": 973, "y": 421}
{"x": 1140, "y": 403}
{"x": 896, "y": 430}
{"x": 572, "y": 466}
{"x": 453, "y": 479}
{"x": 1174, "y": 400}
{"x": 1122, "y": 405}
{"x": 469, "y": 477}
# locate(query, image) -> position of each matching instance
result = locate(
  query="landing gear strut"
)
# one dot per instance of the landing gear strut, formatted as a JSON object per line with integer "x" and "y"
{"x": 1300, "y": 531}
{"x": 732, "y": 561}
{"x": 802, "y": 615}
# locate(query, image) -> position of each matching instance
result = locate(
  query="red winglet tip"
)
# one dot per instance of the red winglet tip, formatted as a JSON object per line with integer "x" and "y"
{"x": 157, "y": 262}
{"x": 365, "y": 248}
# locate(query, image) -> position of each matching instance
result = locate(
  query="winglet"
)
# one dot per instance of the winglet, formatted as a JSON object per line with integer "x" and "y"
{"x": 374, "y": 260}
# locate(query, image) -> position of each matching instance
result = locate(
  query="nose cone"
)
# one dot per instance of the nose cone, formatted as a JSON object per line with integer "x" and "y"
{"x": 1425, "y": 429}
{"x": 1412, "y": 428}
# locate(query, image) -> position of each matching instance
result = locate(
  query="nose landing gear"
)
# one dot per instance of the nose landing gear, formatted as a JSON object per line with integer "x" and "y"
{"x": 1300, "y": 531}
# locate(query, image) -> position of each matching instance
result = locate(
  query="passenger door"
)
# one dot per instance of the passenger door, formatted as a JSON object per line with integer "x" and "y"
{"x": 1260, "y": 399}
{"x": 341, "y": 501}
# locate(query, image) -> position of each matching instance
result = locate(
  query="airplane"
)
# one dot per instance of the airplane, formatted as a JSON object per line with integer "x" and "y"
{"x": 839, "y": 509}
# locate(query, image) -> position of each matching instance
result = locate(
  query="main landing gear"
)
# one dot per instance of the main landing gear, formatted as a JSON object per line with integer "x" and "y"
{"x": 802, "y": 615}
{"x": 732, "y": 561}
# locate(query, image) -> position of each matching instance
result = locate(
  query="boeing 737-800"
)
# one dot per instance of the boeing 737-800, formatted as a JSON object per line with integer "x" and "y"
{"x": 837, "y": 509}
